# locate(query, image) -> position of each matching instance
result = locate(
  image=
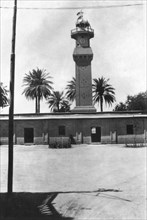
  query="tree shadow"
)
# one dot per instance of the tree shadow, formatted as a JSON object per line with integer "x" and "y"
{"x": 25, "y": 205}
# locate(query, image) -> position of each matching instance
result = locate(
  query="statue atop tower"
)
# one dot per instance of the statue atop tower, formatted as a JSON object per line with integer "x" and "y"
{"x": 81, "y": 23}
{"x": 83, "y": 56}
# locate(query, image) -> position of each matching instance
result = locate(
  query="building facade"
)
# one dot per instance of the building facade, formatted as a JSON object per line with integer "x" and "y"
{"x": 104, "y": 128}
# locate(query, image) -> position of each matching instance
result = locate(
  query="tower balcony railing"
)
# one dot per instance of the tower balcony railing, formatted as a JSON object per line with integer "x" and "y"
{"x": 79, "y": 29}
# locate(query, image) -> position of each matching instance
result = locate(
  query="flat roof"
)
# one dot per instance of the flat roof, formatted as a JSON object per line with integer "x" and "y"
{"x": 69, "y": 115}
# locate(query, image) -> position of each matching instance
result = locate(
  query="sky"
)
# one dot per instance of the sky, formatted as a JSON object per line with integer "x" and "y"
{"x": 43, "y": 40}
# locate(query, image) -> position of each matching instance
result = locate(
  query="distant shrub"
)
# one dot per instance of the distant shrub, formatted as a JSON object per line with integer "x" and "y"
{"x": 59, "y": 144}
{"x": 136, "y": 145}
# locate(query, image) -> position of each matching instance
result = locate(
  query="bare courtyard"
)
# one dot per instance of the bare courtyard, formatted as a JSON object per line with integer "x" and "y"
{"x": 91, "y": 181}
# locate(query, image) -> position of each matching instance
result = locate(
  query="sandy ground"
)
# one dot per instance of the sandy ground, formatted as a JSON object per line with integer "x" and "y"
{"x": 78, "y": 173}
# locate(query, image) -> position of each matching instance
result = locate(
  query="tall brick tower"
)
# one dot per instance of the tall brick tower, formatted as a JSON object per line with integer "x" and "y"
{"x": 83, "y": 56}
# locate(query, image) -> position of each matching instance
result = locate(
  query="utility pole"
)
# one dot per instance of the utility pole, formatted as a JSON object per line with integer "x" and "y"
{"x": 11, "y": 108}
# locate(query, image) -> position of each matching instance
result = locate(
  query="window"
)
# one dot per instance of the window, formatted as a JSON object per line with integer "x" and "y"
{"x": 93, "y": 130}
{"x": 62, "y": 130}
{"x": 130, "y": 129}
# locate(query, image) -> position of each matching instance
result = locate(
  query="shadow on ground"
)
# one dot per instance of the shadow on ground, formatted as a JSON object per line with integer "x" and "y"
{"x": 31, "y": 206}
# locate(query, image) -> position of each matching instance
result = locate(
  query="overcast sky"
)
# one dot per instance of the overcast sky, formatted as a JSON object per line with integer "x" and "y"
{"x": 43, "y": 40}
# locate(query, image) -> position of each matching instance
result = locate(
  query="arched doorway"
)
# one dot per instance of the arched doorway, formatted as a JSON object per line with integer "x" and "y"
{"x": 96, "y": 134}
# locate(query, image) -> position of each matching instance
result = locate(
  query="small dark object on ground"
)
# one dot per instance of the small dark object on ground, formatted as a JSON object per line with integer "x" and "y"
{"x": 72, "y": 140}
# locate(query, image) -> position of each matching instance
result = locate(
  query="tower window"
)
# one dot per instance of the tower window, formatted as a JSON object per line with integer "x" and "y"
{"x": 62, "y": 130}
{"x": 130, "y": 129}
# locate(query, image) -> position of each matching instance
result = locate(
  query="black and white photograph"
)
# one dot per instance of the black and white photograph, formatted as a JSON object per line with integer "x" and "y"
{"x": 73, "y": 110}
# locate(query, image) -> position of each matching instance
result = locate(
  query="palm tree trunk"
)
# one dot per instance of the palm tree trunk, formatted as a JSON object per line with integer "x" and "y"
{"x": 58, "y": 107}
{"x": 36, "y": 104}
{"x": 101, "y": 104}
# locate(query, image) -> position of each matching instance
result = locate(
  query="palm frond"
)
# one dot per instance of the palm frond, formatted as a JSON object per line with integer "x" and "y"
{"x": 37, "y": 83}
{"x": 57, "y": 102}
{"x": 71, "y": 89}
{"x": 3, "y": 96}
{"x": 102, "y": 91}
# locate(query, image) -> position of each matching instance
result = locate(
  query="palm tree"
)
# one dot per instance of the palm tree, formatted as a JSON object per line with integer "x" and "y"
{"x": 38, "y": 85}
{"x": 58, "y": 103}
{"x": 71, "y": 89}
{"x": 102, "y": 91}
{"x": 3, "y": 96}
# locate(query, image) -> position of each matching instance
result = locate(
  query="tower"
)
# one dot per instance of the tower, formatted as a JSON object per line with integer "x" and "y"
{"x": 83, "y": 56}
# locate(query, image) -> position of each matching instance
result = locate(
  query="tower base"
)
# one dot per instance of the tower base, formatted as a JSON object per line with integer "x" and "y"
{"x": 84, "y": 109}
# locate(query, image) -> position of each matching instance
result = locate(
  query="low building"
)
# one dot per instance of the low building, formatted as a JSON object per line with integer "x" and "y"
{"x": 107, "y": 127}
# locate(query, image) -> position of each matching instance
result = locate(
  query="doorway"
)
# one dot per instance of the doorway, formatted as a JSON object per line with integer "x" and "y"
{"x": 96, "y": 134}
{"x": 28, "y": 135}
